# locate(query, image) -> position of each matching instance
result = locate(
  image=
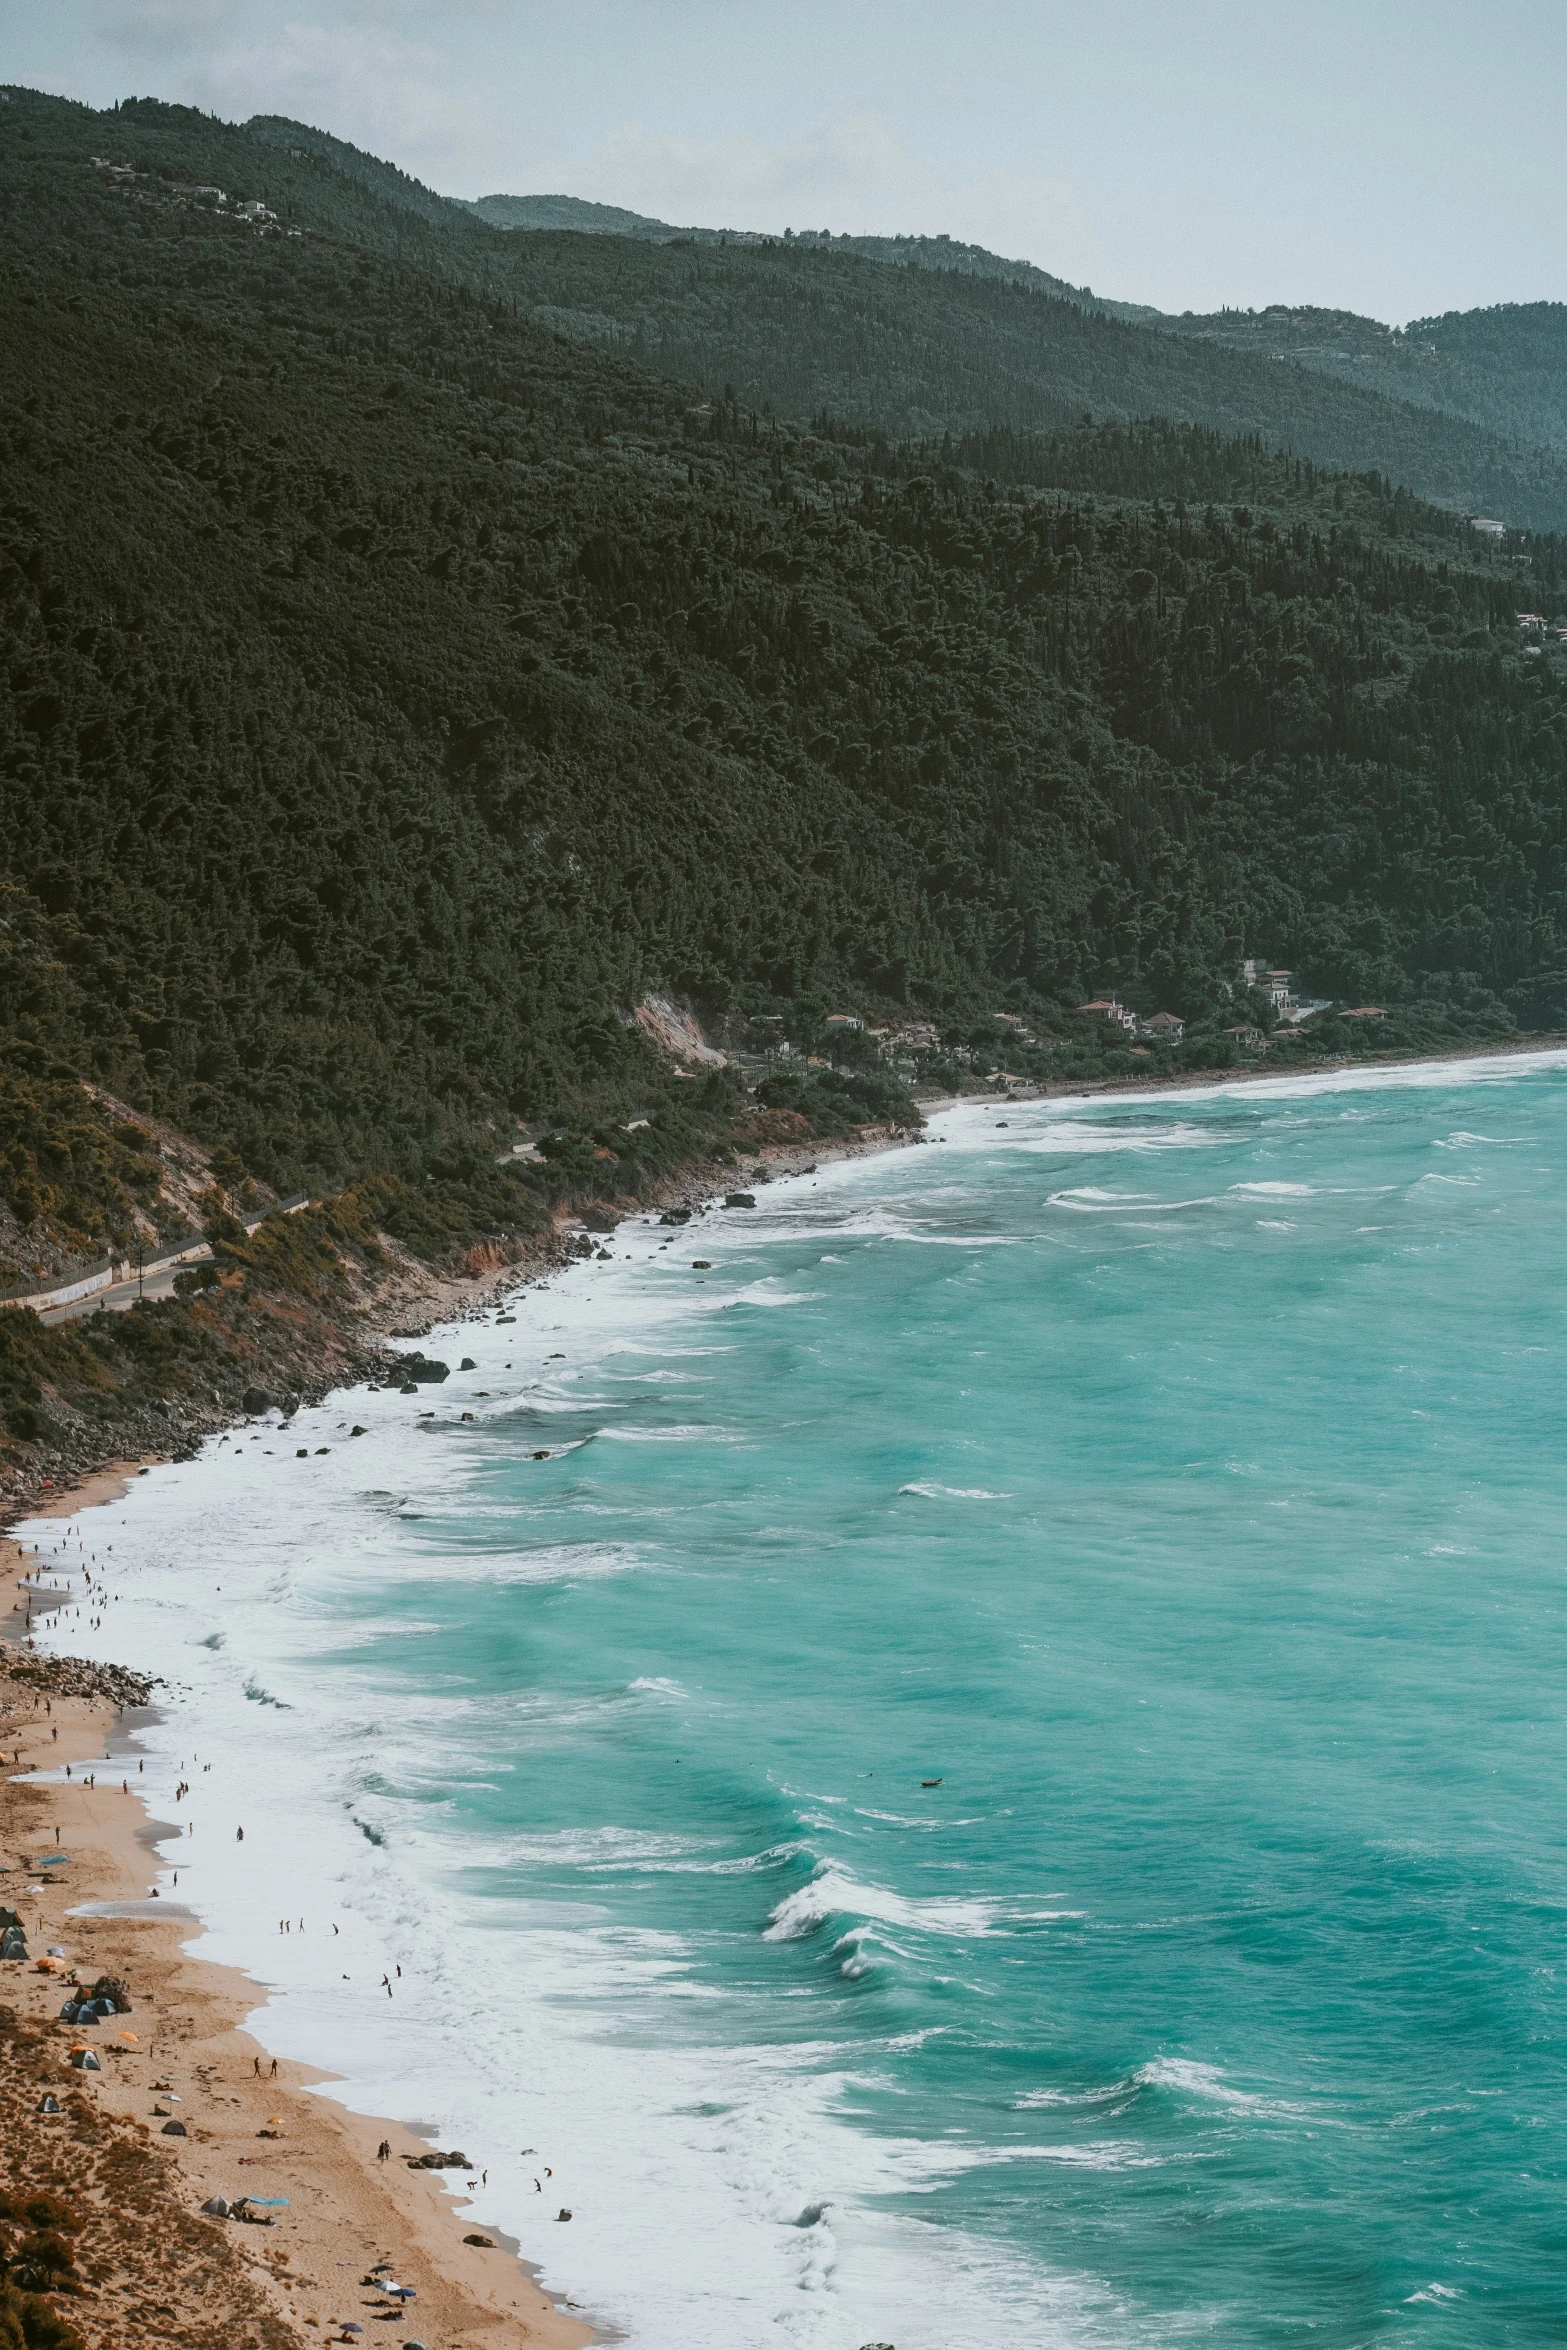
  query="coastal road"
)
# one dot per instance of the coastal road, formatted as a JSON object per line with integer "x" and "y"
{"x": 120, "y": 1296}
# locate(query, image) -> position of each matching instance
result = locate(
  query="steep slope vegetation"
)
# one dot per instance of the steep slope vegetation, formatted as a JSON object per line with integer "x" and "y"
{"x": 953, "y": 340}
{"x": 1504, "y": 368}
{"x": 395, "y": 690}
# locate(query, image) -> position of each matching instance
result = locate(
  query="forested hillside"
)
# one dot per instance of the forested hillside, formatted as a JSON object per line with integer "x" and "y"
{"x": 1503, "y": 368}
{"x": 952, "y": 339}
{"x": 396, "y": 689}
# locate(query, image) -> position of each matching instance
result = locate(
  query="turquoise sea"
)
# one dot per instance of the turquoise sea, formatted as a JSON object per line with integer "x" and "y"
{"x": 1006, "y": 1778}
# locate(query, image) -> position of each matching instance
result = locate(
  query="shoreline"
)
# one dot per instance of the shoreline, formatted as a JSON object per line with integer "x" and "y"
{"x": 345, "y": 2208}
{"x": 328, "y": 2149}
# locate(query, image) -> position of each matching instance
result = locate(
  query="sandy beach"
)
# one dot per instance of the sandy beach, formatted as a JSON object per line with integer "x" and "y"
{"x": 251, "y": 2124}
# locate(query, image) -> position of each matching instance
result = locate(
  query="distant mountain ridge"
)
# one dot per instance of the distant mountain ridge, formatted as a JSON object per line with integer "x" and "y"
{"x": 1504, "y": 367}
{"x": 902, "y": 252}
{"x": 914, "y": 337}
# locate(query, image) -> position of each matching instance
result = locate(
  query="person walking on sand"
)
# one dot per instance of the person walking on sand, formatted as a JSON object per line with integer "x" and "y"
{"x": 239, "y": 1835}
{"x": 255, "y": 2066}
{"x": 272, "y": 2075}
{"x": 383, "y": 2152}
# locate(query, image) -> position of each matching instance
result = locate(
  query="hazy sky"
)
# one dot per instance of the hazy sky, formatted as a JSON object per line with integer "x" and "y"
{"x": 1396, "y": 156}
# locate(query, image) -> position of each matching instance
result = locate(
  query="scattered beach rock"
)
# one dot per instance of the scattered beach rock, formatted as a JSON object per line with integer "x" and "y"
{"x": 467, "y": 1364}
{"x": 78, "y": 1676}
{"x": 739, "y": 1199}
{"x": 563, "y": 2213}
{"x": 701, "y": 1264}
{"x": 485, "y": 2243}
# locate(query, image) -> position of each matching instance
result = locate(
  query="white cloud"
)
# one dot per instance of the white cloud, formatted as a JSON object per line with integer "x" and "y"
{"x": 159, "y": 26}
{"x": 367, "y": 85}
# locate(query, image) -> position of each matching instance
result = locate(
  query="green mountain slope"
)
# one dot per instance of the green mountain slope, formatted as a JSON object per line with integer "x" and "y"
{"x": 396, "y": 689}
{"x": 1503, "y": 368}
{"x": 937, "y": 344}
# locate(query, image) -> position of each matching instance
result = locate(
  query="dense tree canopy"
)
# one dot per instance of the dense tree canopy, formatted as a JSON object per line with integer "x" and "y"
{"x": 397, "y": 688}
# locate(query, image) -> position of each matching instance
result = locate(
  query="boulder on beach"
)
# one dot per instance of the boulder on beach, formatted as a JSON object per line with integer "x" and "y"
{"x": 675, "y": 1216}
{"x": 424, "y": 1369}
{"x": 257, "y": 1400}
{"x": 739, "y": 1199}
{"x": 467, "y": 1364}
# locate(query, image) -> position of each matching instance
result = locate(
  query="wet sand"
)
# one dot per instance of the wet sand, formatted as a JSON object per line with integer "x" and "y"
{"x": 345, "y": 2210}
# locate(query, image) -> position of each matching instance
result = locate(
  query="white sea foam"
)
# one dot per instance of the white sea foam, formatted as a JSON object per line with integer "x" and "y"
{"x": 275, "y": 1559}
{"x": 1138, "y": 1203}
{"x": 933, "y": 1492}
{"x": 1181, "y": 2074}
{"x": 833, "y": 1893}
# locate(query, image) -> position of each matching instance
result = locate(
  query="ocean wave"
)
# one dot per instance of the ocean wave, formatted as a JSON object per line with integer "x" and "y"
{"x": 933, "y": 1492}
{"x": 898, "y": 1819}
{"x": 1180, "y": 2073}
{"x": 1078, "y": 1137}
{"x": 832, "y": 1893}
{"x": 1088, "y": 1202}
{"x": 769, "y": 1291}
{"x": 678, "y": 1432}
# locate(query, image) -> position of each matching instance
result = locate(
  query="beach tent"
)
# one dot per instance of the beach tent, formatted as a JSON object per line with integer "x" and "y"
{"x": 216, "y": 2206}
{"x": 85, "y": 2061}
{"x": 174, "y": 2130}
{"x": 47, "y": 2104}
